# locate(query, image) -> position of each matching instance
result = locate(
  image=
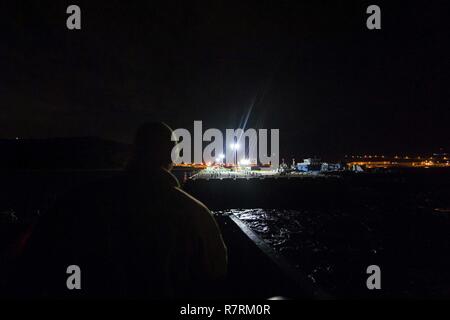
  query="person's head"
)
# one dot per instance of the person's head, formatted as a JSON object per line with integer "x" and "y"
{"x": 152, "y": 147}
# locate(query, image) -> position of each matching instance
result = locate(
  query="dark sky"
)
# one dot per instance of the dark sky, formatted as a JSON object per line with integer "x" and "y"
{"x": 310, "y": 68}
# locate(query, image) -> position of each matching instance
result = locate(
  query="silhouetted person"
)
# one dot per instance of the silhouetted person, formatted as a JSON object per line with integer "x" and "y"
{"x": 136, "y": 235}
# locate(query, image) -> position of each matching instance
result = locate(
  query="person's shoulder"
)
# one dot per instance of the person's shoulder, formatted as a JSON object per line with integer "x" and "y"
{"x": 195, "y": 215}
{"x": 188, "y": 200}
{"x": 191, "y": 207}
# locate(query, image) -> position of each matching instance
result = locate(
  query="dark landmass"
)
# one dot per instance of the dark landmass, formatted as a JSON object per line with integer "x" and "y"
{"x": 62, "y": 153}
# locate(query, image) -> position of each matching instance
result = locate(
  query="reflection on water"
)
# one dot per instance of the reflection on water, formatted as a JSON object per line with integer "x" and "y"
{"x": 334, "y": 247}
{"x": 322, "y": 244}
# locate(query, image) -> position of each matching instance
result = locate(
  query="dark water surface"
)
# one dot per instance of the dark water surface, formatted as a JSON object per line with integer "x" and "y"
{"x": 334, "y": 248}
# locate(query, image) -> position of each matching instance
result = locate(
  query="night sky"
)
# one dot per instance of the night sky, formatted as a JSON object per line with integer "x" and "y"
{"x": 310, "y": 68}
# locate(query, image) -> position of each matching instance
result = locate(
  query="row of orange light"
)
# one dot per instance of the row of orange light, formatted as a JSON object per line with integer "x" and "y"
{"x": 387, "y": 163}
{"x": 395, "y": 157}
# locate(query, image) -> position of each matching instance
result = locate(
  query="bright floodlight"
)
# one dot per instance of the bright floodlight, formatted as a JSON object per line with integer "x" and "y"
{"x": 234, "y": 146}
{"x": 245, "y": 162}
{"x": 221, "y": 156}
